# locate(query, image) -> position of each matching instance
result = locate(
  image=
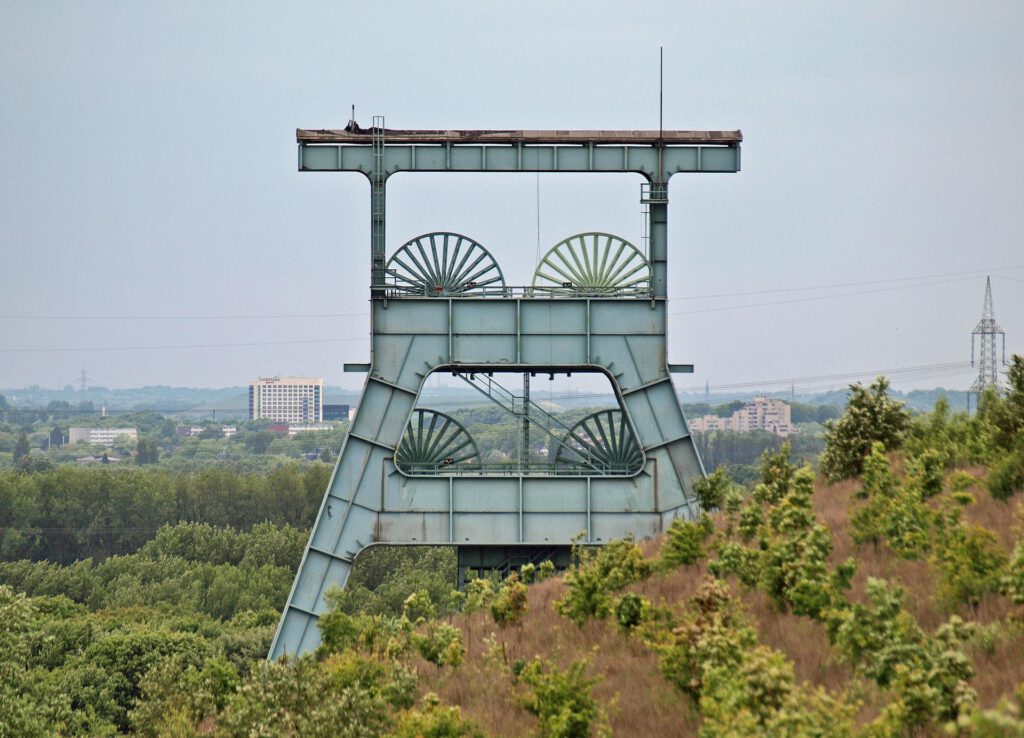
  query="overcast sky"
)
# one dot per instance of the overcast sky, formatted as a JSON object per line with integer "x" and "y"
{"x": 148, "y": 168}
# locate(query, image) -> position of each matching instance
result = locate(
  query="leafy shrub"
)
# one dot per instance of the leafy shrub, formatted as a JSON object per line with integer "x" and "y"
{"x": 562, "y": 701}
{"x": 509, "y": 605}
{"x": 598, "y": 573}
{"x": 870, "y": 417}
{"x": 630, "y": 610}
{"x": 929, "y": 674}
{"x": 1006, "y": 476}
{"x": 440, "y": 644}
{"x": 684, "y": 542}
{"x": 434, "y": 720}
{"x": 711, "y": 490}
{"x": 894, "y": 512}
{"x": 970, "y": 561}
{"x": 713, "y": 633}
{"x": 1012, "y": 582}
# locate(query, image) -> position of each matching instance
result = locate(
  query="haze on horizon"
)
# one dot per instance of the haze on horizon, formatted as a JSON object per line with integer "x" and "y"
{"x": 149, "y": 171}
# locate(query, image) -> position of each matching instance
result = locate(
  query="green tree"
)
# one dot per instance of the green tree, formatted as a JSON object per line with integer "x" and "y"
{"x": 146, "y": 452}
{"x": 870, "y": 417}
{"x": 562, "y": 701}
{"x": 21, "y": 448}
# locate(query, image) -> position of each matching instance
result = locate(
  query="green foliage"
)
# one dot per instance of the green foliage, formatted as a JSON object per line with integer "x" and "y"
{"x": 760, "y": 697}
{"x": 21, "y": 448}
{"x": 1002, "y": 722}
{"x": 1004, "y": 417}
{"x": 713, "y": 634}
{"x": 1012, "y": 582}
{"x": 929, "y": 674}
{"x": 384, "y": 576}
{"x": 434, "y": 720}
{"x": 345, "y": 696}
{"x": 631, "y": 610}
{"x": 870, "y": 417}
{"x": 711, "y": 490}
{"x": 509, "y": 605}
{"x": 146, "y": 451}
{"x": 562, "y": 701}
{"x": 893, "y": 512}
{"x": 66, "y": 514}
{"x": 220, "y": 572}
{"x": 969, "y": 558}
{"x": 789, "y": 559}
{"x": 1006, "y": 475}
{"x": 27, "y": 708}
{"x": 684, "y": 542}
{"x": 440, "y": 644}
{"x": 599, "y": 572}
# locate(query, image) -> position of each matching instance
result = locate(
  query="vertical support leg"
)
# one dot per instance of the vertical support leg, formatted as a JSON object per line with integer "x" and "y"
{"x": 658, "y": 228}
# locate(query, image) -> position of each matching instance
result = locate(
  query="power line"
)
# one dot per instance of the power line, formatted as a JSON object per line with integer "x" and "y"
{"x": 303, "y": 316}
{"x": 185, "y": 346}
{"x": 851, "y": 284}
{"x": 816, "y": 297}
{"x": 289, "y": 316}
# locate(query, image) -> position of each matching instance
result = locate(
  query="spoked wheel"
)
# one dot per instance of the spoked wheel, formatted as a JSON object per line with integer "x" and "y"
{"x": 602, "y": 441}
{"x": 593, "y": 264}
{"x": 444, "y": 264}
{"x": 434, "y": 442}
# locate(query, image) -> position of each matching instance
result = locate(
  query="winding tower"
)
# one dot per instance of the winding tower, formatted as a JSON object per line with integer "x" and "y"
{"x": 412, "y": 475}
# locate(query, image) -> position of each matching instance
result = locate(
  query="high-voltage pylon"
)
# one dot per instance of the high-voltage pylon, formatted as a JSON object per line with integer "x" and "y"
{"x": 988, "y": 331}
{"x": 409, "y": 474}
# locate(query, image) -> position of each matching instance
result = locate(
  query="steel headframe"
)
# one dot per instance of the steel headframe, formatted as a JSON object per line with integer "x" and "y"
{"x": 444, "y": 326}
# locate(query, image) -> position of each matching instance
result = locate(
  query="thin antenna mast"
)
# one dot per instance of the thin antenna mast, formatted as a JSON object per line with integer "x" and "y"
{"x": 661, "y": 92}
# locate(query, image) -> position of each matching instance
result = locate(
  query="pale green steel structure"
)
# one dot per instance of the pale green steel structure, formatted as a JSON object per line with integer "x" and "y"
{"x": 369, "y": 500}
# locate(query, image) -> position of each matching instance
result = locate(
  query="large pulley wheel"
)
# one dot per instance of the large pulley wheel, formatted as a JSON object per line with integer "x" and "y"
{"x": 433, "y": 443}
{"x": 602, "y": 441}
{"x": 440, "y": 264}
{"x": 593, "y": 264}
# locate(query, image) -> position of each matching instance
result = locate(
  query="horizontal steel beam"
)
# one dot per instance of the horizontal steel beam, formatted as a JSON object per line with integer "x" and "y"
{"x": 519, "y": 158}
{"x": 364, "y": 136}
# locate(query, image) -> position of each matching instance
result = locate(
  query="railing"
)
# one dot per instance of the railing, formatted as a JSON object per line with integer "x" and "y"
{"x": 395, "y": 291}
{"x": 513, "y": 469}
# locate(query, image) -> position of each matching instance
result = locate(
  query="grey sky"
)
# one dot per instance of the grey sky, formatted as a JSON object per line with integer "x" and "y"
{"x": 148, "y": 167}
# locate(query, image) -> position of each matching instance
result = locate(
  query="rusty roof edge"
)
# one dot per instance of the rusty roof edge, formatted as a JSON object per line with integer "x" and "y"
{"x": 363, "y": 136}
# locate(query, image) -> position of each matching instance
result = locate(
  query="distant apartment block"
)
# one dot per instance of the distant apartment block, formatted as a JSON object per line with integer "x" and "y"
{"x": 101, "y": 436}
{"x": 761, "y": 413}
{"x": 287, "y": 399}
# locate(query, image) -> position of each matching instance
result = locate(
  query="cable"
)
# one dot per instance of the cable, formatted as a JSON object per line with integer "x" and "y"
{"x": 185, "y": 346}
{"x": 817, "y": 297}
{"x": 852, "y": 284}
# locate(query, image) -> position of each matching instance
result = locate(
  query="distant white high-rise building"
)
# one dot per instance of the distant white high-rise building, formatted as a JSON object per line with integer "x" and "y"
{"x": 287, "y": 399}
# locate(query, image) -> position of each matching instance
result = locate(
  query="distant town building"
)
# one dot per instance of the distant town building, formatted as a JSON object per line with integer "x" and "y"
{"x": 293, "y": 429}
{"x": 761, "y": 413}
{"x": 195, "y": 430}
{"x": 287, "y": 399}
{"x": 102, "y": 436}
{"x": 336, "y": 412}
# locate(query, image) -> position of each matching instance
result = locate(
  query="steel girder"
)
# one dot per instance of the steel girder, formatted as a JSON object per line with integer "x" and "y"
{"x": 369, "y": 501}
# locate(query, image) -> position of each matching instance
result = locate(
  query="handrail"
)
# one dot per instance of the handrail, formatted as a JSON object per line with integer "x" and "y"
{"x": 394, "y": 291}
{"x": 514, "y": 469}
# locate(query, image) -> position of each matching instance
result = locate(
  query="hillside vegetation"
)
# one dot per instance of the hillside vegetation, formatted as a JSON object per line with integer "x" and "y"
{"x": 881, "y": 597}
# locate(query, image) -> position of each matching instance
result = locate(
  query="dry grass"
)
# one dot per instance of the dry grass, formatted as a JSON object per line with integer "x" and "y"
{"x": 643, "y": 704}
